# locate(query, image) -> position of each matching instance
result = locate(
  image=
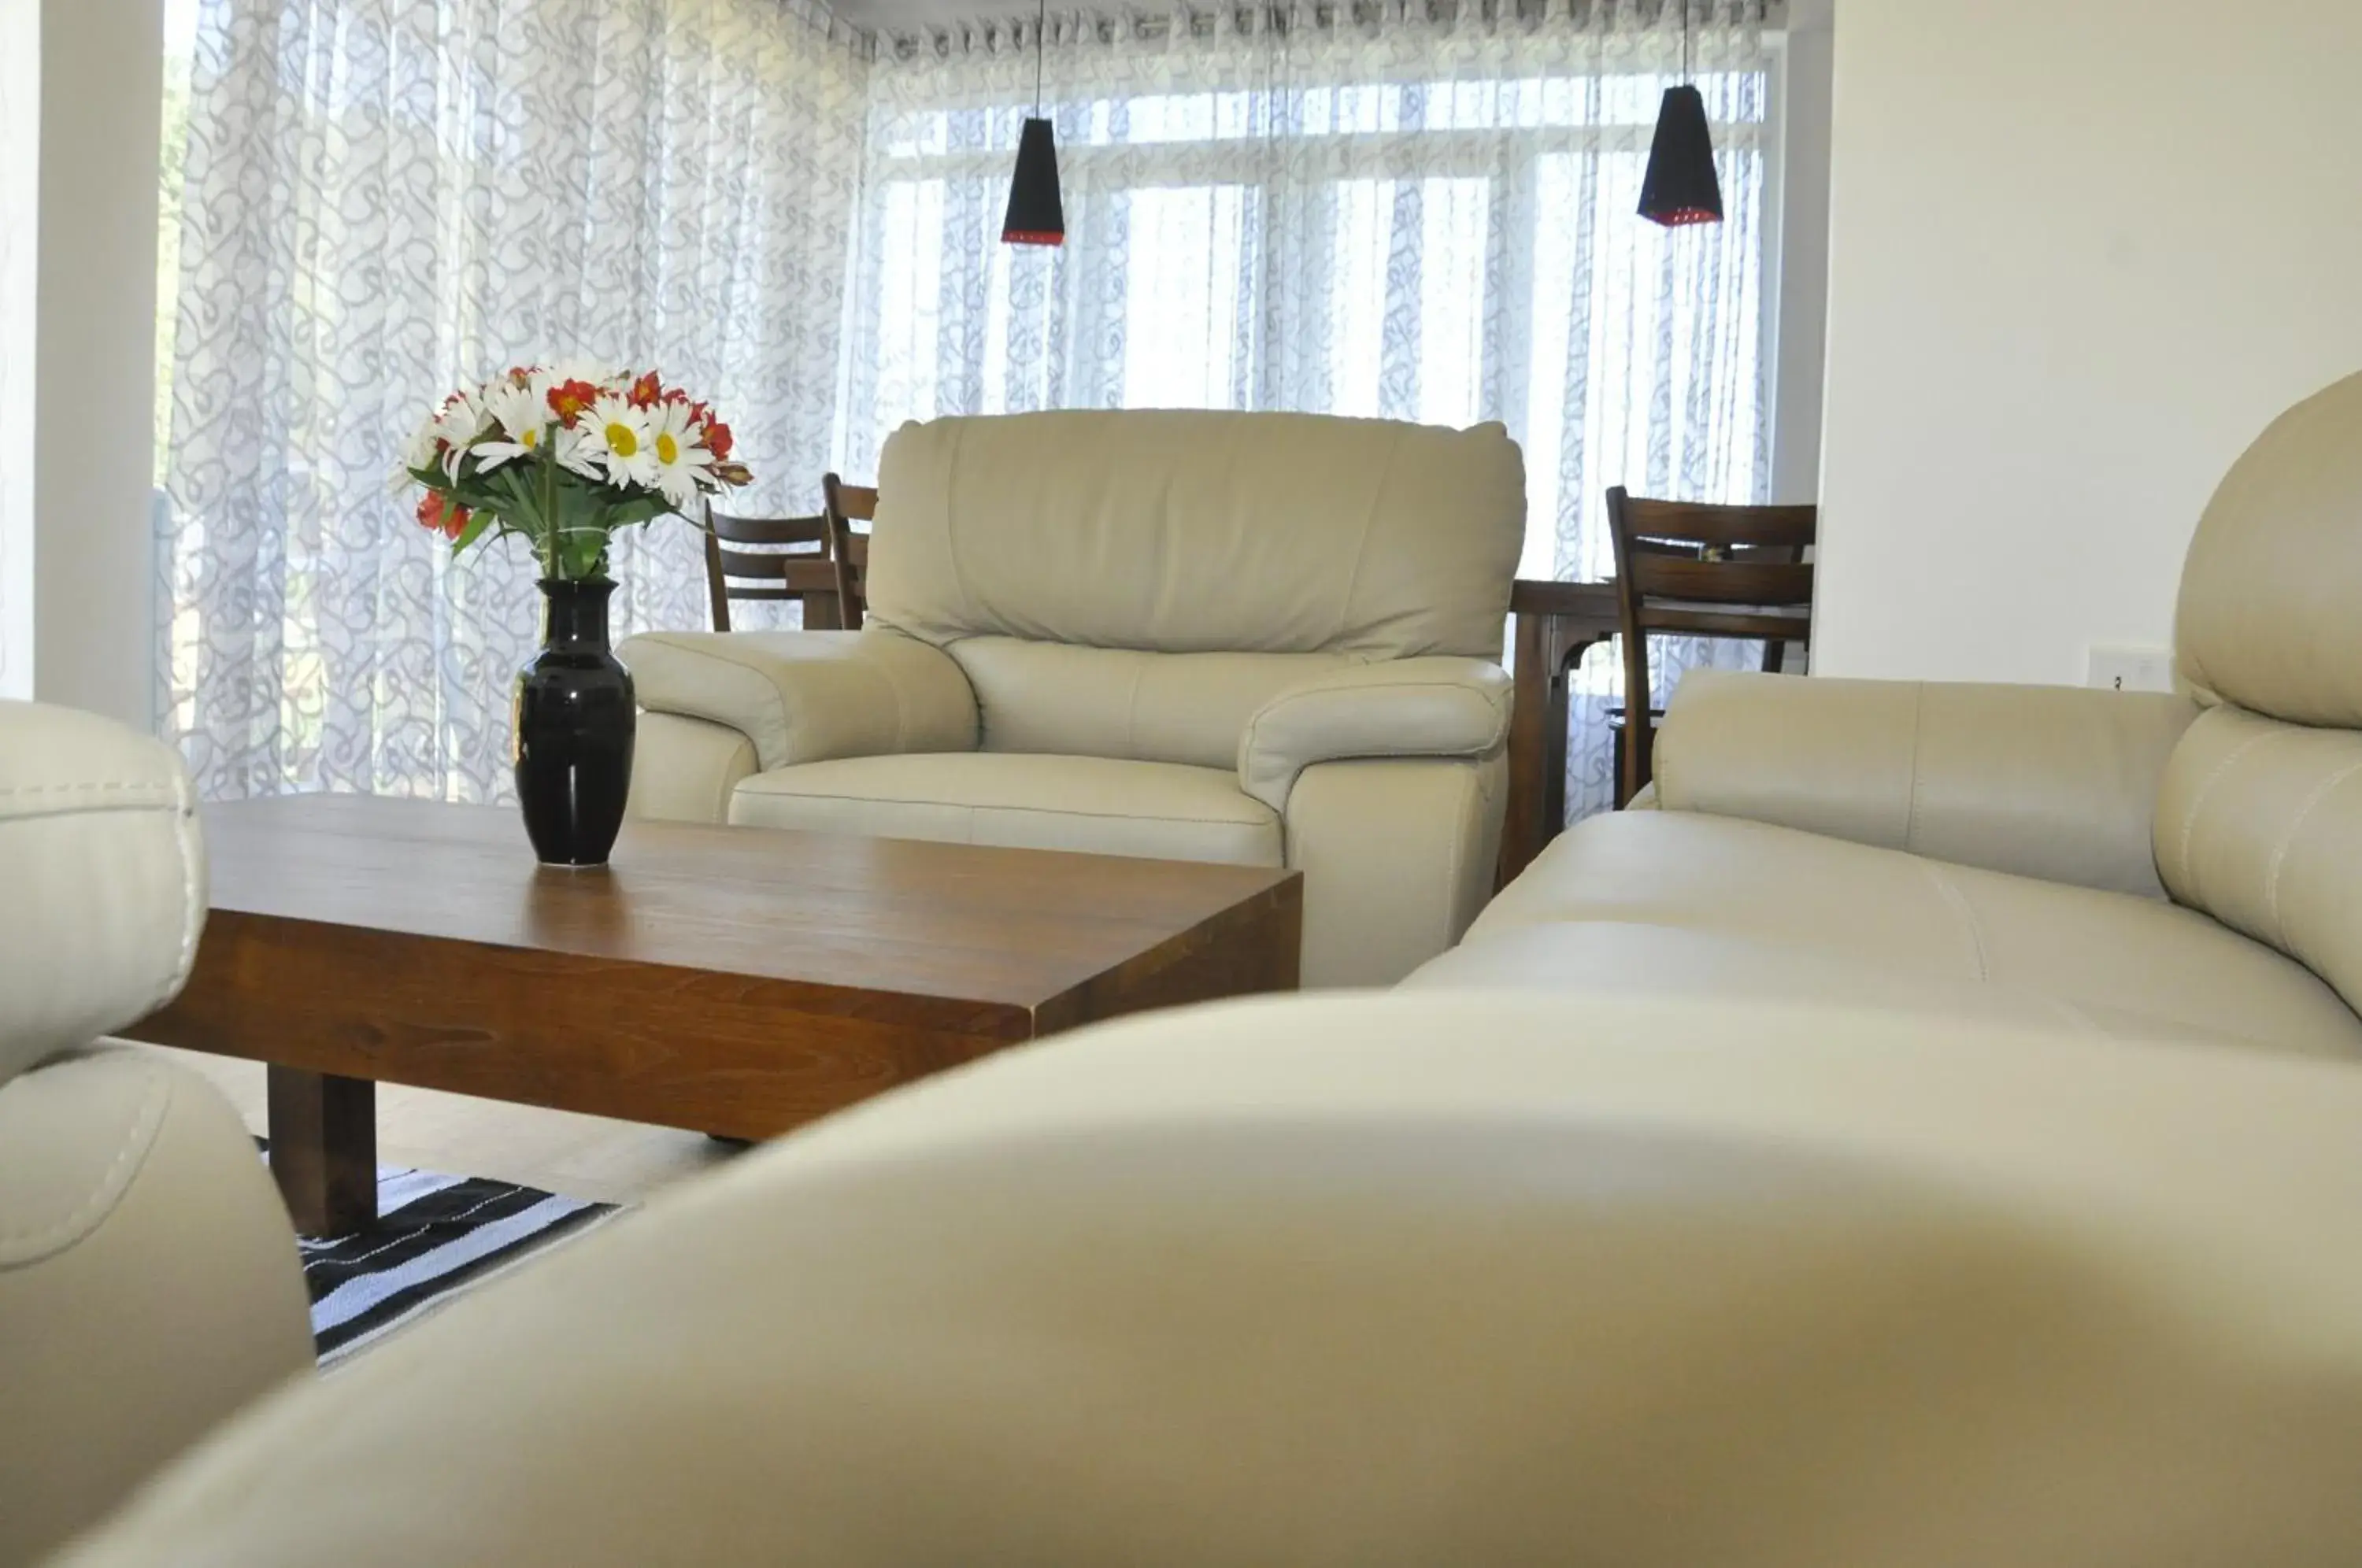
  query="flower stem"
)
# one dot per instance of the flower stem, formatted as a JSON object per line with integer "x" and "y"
{"x": 549, "y": 496}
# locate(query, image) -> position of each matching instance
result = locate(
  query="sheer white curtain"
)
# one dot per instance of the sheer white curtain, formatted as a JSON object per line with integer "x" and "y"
{"x": 384, "y": 197}
{"x": 1420, "y": 211}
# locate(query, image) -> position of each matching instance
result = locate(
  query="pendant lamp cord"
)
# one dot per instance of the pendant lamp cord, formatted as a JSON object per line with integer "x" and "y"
{"x": 1685, "y": 43}
{"x": 1041, "y": 42}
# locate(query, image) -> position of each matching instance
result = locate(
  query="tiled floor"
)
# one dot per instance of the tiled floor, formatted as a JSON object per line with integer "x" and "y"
{"x": 581, "y": 1156}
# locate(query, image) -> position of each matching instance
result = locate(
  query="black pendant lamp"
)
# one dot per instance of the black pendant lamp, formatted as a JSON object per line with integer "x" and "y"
{"x": 1036, "y": 217}
{"x": 1681, "y": 187}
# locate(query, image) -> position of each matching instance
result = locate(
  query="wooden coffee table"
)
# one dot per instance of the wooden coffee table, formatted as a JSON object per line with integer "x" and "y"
{"x": 729, "y": 981}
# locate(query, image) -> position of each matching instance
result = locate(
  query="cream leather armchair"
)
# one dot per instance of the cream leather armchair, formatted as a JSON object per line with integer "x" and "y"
{"x": 1271, "y": 639}
{"x": 2184, "y": 866}
{"x": 149, "y": 1279}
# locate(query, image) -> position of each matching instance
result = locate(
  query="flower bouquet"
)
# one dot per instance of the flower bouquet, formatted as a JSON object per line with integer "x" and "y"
{"x": 564, "y": 457}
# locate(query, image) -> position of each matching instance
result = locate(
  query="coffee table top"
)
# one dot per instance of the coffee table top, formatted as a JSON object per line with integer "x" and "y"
{"x": 1014, "y": 927}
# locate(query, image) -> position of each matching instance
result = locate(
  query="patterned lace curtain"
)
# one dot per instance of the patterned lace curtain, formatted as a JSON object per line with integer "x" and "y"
{"x": 1420, "y": 211}
{"x": 386, "y": 197}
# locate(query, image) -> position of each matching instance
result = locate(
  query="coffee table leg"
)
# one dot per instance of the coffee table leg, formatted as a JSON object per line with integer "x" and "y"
{"x": 323, "y": 1150}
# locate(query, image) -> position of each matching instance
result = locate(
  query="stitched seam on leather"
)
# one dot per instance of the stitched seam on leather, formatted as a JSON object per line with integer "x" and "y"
{"x": 972, "y": 809}
{"x": 1359, "y": 754}
{"x": 173, "y": 798}
{"x": 727, "y": 786}
{"x": 1397, "y": 754}
{"x": 192, "y": 901}
{"x": 777, "y": 698}
{"x": 1469, "y": 803}
{"x": 90, "y": 810}
{"x": 2198, "y": 801}
{"x": 1362, "y": 548}
{"x": 1498, "y": 704}
{"x": 1918, "y": 714}
{"x": 1131, "y": 707}
{"x": 951, "y": 534}
{"x": 2280, "y": 855}
{"x": 163, "y": 793}
{"x": 46, "y": 1244}
{"x": 1959, "y": 902}
{"x": 48, "y": 801}
{"x": 968, "y": 684}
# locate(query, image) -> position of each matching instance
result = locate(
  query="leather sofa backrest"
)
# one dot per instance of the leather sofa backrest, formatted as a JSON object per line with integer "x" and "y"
{"x": 2271, "y": 613}
{"x": 1149, "y": 707}
{"x": 1194, "y": 531}
{"x": 101, "y": 880}
{"x": 2259, "y": 819}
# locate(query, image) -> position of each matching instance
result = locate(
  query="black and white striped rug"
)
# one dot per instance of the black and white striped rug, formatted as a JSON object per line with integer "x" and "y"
{"x": 436, "y": 1236}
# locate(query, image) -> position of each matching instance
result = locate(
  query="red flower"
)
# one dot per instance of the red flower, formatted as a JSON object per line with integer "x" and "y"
{"x": 646, "y": 391}
{"x": 717, "y": 441}
{"x": 442, "y": 515}
{"x": 570, "y": 400}
{"x": 699, "y": 413}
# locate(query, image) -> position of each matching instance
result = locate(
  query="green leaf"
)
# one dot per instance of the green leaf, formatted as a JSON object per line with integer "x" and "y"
{"x": 477, "y": 522}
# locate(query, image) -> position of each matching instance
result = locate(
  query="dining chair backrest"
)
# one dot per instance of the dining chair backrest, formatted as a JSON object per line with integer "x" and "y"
{"x": 845, "y": 505}
{"x": 1689, "y": 568}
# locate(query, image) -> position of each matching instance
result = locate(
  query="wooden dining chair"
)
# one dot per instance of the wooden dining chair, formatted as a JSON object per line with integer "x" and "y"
{"x": 1686, "y": 568}
{"x": 846, "y": 505}
{"x": 791, "y": 558}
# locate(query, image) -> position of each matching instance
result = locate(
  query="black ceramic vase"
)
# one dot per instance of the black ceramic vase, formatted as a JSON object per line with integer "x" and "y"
{"x": 574, "y": 725}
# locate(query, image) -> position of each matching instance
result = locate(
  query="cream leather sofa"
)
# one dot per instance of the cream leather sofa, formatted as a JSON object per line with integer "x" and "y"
{"x": 149, "y": 1281}
{"x": 2184, "y": 867}
{"x": 1271, "y": 639}
{"x": 1405, "y": 1279}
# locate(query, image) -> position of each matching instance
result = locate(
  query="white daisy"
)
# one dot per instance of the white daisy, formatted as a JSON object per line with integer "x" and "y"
{"x": 683, "y": 465}
{"x": 459, "y": 423}
{"x": 518, "y": 419}
{"x": 620, "y": 433}
{"x": 577, "y": 453}
{"x": 418, "y": 452}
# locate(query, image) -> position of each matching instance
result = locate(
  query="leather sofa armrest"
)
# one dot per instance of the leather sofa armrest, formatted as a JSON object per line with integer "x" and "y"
{"x": 104, "y": 871}
{"x": 2051, "y": 781}
{"x": 148, "y": 1284}
{"x": 1434, "y": 706}
{"x": 809, "y": 696}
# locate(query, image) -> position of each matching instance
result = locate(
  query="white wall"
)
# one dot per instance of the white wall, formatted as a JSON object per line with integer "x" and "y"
{"x": 101, "y": 102}
{"x": 1801, "y": 327}
{"x": 80, "y": 97}
{"x": 20, "y": 136}
{"x": 2081, "y": 251}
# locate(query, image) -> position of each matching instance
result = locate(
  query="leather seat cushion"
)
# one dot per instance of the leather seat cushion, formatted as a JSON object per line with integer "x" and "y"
{"x": 1093, "y": 804}
{"x": 1653, "y": 900}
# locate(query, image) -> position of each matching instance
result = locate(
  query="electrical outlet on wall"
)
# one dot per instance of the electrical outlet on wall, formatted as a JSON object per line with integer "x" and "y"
{"x": 2121, "y": 668}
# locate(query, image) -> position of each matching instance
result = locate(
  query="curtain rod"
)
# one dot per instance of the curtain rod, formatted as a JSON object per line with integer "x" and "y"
{"x": 905, "y": 39}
